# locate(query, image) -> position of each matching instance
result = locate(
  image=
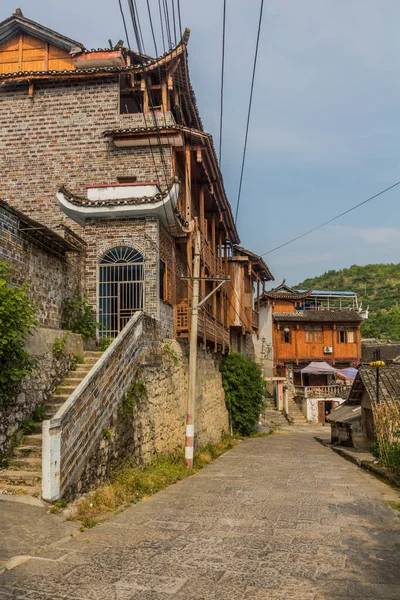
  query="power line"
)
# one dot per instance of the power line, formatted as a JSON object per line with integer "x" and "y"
{"x": 124, "y": 22}
{"x": 152, "y": 28}
{"x": 250, "y": 106}
{"x": 167, "y": 23}
{"x": 222, "y": 82}
{"x": 174, "y": 20}
{"x": 179, "y": 17}
{"x": 346, "y": 212}
{"x": 161, "y": 24}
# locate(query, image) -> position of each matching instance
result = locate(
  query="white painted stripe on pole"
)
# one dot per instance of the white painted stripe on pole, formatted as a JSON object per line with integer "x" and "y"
{"x": 190, "y": 430}
{"x": 189, "y": 452}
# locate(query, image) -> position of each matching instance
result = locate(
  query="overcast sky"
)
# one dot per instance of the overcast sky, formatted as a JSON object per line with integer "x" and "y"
{"x": 325, "y": 125}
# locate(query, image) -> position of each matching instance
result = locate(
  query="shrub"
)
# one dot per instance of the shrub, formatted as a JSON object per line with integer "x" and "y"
{"x": 78, "y": 316}
{"x": 17, "y": 316}
{"x": 104, "y": 342}
{"x": 245, "y": 392}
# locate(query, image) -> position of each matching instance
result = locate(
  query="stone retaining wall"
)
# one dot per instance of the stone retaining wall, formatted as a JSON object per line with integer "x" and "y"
{"x": 37, "y": 389}
{"x": 97, "y": 429}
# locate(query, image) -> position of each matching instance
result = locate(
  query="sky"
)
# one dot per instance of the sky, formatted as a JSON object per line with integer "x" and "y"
{"x": 325, "y": 127}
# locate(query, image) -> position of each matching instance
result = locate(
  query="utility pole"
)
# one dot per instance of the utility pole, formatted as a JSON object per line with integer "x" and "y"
{"x": 377, "y": 363}
{"x": 194, "y": 325}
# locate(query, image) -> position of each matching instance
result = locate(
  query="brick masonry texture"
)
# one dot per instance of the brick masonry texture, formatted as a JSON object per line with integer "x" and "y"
{"x": 155, "y": 425}
{"x": 56, "y": 138}
{"x": 51, "y": 279}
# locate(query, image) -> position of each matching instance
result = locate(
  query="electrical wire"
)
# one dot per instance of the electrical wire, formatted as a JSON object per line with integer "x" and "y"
{"x": 179, "y": 18}
{"x": 174, "y": 21}
{"x": 152, "y": 28}
{"x": 167, "y": 23}
{"x": 124, "y": 22}
{"x": 162, "y": 25}
{"x": 250, "y": 107}
{"x": 346, "y": 212}
{"x": 222, "y": 82}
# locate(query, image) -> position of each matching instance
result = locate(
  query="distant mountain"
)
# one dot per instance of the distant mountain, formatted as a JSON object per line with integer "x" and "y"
{"x": 377, "y": 286}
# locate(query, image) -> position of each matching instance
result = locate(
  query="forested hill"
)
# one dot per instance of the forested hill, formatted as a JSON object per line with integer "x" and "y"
{"x": 376, "y": 285}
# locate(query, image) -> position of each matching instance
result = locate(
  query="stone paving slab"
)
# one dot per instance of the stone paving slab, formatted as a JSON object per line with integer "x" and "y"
{"x": 277, "y": 518}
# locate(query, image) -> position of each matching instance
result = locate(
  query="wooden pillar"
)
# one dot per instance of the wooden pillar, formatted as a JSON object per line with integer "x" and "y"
{"x": 201, "y": 199}
{"x": 188, "y": 181}
{"x": 165, "y": 97}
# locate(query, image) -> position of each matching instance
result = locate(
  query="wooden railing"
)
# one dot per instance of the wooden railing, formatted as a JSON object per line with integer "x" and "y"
{"x": 209, "y": 257}
{"x": 319, "y": 391}
{"x": 210, "y": 328}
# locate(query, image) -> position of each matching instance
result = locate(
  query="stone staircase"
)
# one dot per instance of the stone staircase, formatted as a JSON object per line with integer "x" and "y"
{"x": 296, "y": 417}
{"x": 24, "y": 471}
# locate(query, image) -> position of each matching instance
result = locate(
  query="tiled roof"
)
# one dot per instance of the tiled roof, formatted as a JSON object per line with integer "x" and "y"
{"x": 347, "y": 412}
{"x": 262, "y": 264}
{"x": 388, "y": 352}
{"x": 82, "y": 201}
{"x": 156, "y": 129}
{"x": 68, "y": 72}
{"x": 319, "y": 316}
{"x": 389, "y": 383}
{"x": 17, "y": 22}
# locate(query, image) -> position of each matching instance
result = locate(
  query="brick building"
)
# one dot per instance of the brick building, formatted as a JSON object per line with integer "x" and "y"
{"x": 111, "y": 144}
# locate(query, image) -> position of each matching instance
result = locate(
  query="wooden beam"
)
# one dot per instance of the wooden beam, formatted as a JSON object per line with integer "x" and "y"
{"x": 31, "y": 90}
{"x": 165, "y": 97}
{"x": 201, "y": 199}
{"x": 199, "y": 156}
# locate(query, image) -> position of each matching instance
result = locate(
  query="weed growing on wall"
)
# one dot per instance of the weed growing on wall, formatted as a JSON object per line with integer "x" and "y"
{"x": 17, "y": 317}
{"x": 78, "y": 316}
{"x": 104, "y": 342}
{"x": 245, "y": 392}
{"x": 59, "y": 345}
{"x": 136, "y": 393}
{"x": 170, "y": 352}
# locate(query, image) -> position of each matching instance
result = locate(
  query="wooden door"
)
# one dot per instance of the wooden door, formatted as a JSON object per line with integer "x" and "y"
{"x": 321, "y": 411}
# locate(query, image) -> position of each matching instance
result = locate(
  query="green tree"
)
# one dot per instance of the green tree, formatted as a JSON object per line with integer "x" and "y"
{"x": 245, "y": 392}
{"x": 17, "y": 316}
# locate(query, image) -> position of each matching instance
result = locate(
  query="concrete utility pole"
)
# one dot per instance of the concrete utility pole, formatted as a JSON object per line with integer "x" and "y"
{"x": 194, "y": 325}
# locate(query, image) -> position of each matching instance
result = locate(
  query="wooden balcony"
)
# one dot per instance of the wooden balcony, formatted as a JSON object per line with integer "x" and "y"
{"x": 320, "y": 391}
{"x": 211, "y": 330}
{"x": 208, "y": 255}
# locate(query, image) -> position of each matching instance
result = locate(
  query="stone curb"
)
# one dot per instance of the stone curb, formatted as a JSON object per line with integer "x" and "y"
{"x": 363, "y": 464}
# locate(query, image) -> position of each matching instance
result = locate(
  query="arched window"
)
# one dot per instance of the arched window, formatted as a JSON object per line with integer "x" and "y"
{"x": 121, "y": 286}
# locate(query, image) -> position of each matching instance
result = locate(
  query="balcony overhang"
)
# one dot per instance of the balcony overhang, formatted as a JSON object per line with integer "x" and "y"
{"x": 135, "y": 201}
{"x": 100, "y": 58}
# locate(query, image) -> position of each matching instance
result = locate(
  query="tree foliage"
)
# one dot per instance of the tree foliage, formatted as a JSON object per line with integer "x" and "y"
{"x": 245, "y": 391}
{"x": 17, "y": 316}
{"x": 377, "y": 286}
{"x": 78, "y": 316}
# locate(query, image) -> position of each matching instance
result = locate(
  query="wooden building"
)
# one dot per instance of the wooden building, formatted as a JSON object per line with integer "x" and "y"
{"x": 122, "y": 133}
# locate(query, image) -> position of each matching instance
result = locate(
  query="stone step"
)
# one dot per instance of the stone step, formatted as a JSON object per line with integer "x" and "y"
{"x": 52, "y": 407}
{"x": 10, "y": 477}
{"x": 18, "y": 490}
{"x": 29, "y": 463}
{"x": 59, "y": 397}
{"x": 74, "y": 381}
{"x": 93, "y": 354}
{"x": 33, "y": 439}
{"x": 90, "y": 361}
{"x": 66, "y": 389}
{"x": 82, "y": 368}
{"x": 77, "y": 375}
{"x": 27, "y": 450}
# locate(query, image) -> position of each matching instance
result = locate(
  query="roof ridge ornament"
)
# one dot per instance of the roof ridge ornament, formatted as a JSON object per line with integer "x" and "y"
{"x": 18, "y": 12}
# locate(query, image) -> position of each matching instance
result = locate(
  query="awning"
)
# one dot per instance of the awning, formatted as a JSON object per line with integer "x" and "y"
{"x": 318, "y": 368}
{"x": 349, "y": 373}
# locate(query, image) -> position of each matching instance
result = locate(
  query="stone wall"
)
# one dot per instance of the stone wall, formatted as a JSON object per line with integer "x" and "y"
{"x": 97, "y": 429}
{"x": 51, "y": 277}
{"x": 37, "y": 389}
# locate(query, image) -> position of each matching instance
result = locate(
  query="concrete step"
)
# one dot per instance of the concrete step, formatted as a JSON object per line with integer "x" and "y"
{"x": 83, "y": 368}
{"x": 61, "y": 397}
{"x": 27, "y": 450}
{"x": 19, "y": 490}
{"x": 93, "y": 354}
{"x": 29, "y": 463}
{"x": 90, "y": 361}
{"x": 10, "y": 477}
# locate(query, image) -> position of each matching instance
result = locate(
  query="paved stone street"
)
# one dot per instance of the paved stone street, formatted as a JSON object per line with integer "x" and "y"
{"x": 277, "y": 518}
